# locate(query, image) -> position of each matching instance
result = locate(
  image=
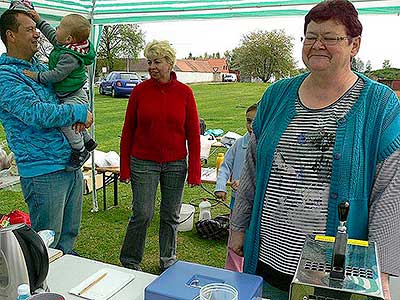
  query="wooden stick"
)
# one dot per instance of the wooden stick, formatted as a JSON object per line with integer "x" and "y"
{"x": 92, "y": 284}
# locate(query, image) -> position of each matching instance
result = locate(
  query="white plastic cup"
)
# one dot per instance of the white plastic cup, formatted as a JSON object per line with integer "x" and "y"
{"x": 218, "y": 291}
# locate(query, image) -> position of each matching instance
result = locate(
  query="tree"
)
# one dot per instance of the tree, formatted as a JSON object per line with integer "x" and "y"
{"x": 368, "y": 67}
{"x": 386, "y": 64}
{"x": 231, "y": 59}
{"x": 386, "y": 74}
{"x": 357, "y": 64}
{"x": 120, "y": 41}
{"x": 266, "y": 55}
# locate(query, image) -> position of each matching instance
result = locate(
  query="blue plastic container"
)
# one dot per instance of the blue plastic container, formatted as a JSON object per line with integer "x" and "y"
{"x": 183, "y": 281}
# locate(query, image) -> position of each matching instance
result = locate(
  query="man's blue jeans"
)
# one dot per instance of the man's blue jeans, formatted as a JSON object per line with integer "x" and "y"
{"x": 145, "y": 176}
{"x": 55, "y": 202}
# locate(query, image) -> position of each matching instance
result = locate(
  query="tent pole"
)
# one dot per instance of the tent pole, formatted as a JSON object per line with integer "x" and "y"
{"x": 92, "y": 70}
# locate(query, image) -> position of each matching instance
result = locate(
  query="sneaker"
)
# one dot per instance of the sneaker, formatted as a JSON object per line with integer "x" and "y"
{"x": 90, "y": 145}
{"x": 133, "y": 267}
{"x": 78, "y": 158}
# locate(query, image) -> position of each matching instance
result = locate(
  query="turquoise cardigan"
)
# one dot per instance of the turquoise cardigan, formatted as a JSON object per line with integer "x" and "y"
{"x": 366, "y": 135}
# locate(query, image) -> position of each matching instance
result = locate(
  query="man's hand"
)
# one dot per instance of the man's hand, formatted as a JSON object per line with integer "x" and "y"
{"x": 34, "y": 15}
{"x": 78, "y": 127}
{"x": 192, "y": 185}
{"x": 89, "y": 120}
{"x": 385, "y": 286}
{"x": 29, "y": 73}
{"x": 220, "y": 195}
{"x": 237, "y": 242}
{"x": 235, "y": 185}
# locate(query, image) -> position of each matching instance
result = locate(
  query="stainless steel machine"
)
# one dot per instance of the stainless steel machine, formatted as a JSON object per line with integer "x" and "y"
{"x": 23, "y": 259}
{"x": 337, "y": 268}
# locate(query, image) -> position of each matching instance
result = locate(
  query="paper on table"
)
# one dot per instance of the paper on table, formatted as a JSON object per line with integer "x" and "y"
{"x": 107, "y": 286}
{"x": 54, "y": 254}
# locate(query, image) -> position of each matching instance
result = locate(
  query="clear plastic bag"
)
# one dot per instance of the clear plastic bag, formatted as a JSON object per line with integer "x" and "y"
{"x": 4, "y": 160}
{"x": 8, "y": 167}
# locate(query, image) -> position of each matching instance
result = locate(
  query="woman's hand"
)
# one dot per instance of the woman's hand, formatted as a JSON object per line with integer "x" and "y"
{"x": 125, "y": 180}
{"x": 237, "y": 242}
{"x": 192, "y": 185}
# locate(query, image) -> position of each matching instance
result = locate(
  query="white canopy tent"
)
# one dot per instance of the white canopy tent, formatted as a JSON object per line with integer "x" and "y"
{"x": 108, "y": 12}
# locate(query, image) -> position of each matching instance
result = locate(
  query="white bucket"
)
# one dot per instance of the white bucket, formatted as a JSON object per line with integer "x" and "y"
{"x": 186, "y": 217}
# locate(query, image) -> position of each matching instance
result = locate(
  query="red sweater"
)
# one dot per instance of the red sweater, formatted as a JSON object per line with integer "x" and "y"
{"x": 159, "y": 119}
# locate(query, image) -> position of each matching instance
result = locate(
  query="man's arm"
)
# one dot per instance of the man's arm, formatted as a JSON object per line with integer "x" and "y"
{"x": 22, "y": 102}
{"x": 384, "y": 221}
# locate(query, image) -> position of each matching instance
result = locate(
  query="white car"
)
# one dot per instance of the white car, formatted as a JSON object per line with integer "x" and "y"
{"x": 229, "y": 77}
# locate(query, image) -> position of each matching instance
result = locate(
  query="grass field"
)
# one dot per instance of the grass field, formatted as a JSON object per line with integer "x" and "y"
{"x": 222, "y": 106}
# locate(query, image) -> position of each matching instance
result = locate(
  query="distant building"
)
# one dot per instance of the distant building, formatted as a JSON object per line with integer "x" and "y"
{"x": 189, "y": 70}
{"x": 218, "y": 65}
{"x": 393, "y": 84}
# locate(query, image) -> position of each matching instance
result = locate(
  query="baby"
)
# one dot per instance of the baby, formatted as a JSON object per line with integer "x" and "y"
{"x": 71, "y": 53}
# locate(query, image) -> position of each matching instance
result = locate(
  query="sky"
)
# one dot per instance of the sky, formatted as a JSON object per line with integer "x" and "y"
{"x": 380, "y": 39}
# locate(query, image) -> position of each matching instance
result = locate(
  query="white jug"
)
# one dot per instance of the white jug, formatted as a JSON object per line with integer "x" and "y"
{"x": 205, "y": 210}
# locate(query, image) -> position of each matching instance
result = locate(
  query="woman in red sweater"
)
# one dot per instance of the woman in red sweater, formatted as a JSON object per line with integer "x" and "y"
{"x": 161, "y": 127}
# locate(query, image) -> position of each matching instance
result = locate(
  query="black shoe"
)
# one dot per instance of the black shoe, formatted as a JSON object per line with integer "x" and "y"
{"x": 138, "y": 268}
{"x": 78, "y": 158}
{"x": 74, "y": 253}
{"x": 90, "y": 145}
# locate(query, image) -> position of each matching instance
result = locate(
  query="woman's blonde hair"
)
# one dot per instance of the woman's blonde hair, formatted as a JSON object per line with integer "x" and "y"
{"x": 159, "y": 49}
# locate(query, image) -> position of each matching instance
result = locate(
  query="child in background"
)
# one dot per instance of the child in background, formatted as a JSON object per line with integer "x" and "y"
{"x": 231, "y": 169}
{"x": 71, "y": 53}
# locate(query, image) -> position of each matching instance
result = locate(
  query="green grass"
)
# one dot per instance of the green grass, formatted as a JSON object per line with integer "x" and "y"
{"x": 222, "y": 106}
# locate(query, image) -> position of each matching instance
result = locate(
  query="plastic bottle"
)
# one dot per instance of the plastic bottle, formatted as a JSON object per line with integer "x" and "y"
{"x": 23, "y": 292}
{"x": 205, "y": 210}
{"x": 47, "y": 236}
{"x": 219, "y": 161}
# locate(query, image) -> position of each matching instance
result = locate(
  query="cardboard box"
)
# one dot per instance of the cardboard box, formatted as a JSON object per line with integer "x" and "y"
{"x": 88, "y": 182}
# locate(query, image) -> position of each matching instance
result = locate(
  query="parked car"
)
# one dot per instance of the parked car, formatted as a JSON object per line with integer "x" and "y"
{"x": 229, "y": 77}
{"x": 119, "y": 83}
{"x": 144, "y": 77}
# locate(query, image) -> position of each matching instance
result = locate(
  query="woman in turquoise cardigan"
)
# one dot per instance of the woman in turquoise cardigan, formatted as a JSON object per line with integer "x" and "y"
{"x": 320, "y": 138}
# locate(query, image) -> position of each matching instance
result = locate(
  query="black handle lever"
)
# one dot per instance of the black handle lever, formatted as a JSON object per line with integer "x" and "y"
{"x": 340, "y": 246}
{"x": 343, "y": 210}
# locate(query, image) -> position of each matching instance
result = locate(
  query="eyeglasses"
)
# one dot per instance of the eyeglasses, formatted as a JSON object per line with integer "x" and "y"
{"x": 327, "y": 41}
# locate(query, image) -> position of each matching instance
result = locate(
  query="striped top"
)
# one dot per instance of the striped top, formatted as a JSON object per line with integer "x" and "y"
{"x": 296, "y": 199}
